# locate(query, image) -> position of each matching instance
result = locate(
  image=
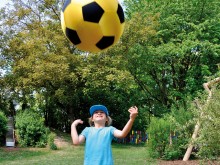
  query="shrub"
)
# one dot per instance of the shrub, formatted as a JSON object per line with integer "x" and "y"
{"x": 159, "y": 131}
{"x": 3, "y": 127}
{"x": 208, "y": 141}
{"x": 30, "y": 129}
{"x": 178, "y": 125}
{"x": 172, "y": 152}
{"x": 50, "y": 141}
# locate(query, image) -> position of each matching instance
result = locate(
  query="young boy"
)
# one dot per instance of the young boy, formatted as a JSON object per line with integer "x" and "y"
{"x": 99, "y": 136}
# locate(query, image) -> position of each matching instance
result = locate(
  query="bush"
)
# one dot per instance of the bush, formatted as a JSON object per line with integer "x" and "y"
{"x": 50, "y": 141}
{"x": 178, "y": 125}
{"x": 30, "y": 129}
{"x": 208, "y": 141}
{"x": 172, "y": 152}
{"x": 3, "y": 128}
{"x": 158, "y": 131}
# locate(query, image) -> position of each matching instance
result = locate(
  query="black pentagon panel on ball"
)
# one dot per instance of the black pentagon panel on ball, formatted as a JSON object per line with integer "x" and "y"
{"x": 105, "y": 42}
{"x": 120, "y": 14}
{"x": 72, "y": 36}
{"x": 66, "y": 3}
{"x": 92, "y": 12}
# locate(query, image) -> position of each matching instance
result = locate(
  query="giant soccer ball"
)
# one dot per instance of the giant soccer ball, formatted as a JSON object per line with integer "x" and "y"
{"x": 92, "y": 25}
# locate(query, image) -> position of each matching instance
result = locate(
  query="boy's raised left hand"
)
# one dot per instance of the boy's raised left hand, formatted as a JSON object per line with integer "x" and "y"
{"x": 133, "y": 112}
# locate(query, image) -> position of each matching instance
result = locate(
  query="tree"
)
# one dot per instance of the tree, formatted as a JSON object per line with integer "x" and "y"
{"x": 47, "y": 72}
{"x": 164, "y": 55}
{"x": 35, "y": 53}
{"x": 172, "y": 46}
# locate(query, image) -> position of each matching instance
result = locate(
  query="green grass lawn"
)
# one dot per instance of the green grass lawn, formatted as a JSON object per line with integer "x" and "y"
{"x": 73, "y": 155}
{"x": 131, "y": 155}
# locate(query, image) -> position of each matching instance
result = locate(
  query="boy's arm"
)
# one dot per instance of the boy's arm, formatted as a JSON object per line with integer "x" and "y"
{"x": 77, "y": 139}
{"x": 133, "y": 114}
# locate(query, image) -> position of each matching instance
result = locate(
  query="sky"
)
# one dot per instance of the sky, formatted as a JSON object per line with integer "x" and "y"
{"x": 2, "y": 3}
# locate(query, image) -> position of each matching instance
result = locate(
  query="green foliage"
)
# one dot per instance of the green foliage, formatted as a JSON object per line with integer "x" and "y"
{"x": 65, "y": 81}
{"x": 3, "y": 127}
{"x": 50, "y": 141}
{"x": 172, "y": 152}
{"x": 166, "y": 52}
{"x": 30, "y": 129}
{"x": 158, "y": 132}
{"x": 208, "y": 141}
{"x": 180, "y": 48}
{"x": 170, "y": 135}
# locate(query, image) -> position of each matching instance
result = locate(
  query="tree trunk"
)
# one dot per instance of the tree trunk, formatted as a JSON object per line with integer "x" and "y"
{"x": 190, "y": 147}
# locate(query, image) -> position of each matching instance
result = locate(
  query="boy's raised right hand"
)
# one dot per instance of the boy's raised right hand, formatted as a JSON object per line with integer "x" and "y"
{"x": 76, "y": 122}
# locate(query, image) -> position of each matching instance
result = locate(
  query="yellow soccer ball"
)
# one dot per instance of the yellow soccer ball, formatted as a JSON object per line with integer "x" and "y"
{"x": 92, "y": 25}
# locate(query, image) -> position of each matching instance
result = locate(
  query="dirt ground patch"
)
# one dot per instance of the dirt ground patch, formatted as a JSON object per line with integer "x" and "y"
{"x": 10, "y": 149}
{"x": 60, "y": 142}
{"x": 179, "y": 162}
{"x": 190, "y": 162}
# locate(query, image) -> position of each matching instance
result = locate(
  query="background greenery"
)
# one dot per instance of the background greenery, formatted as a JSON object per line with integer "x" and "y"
{"x": 3, "y": 128}
{"x": 30, "y": 129}
{"x": 169, "y": 48}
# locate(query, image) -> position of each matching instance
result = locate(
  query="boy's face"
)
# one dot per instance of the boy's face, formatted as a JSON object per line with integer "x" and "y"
{"x": 99, "y": 116}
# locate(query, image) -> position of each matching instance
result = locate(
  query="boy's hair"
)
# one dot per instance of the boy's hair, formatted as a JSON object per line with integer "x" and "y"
{"x": 108, "y": 123}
